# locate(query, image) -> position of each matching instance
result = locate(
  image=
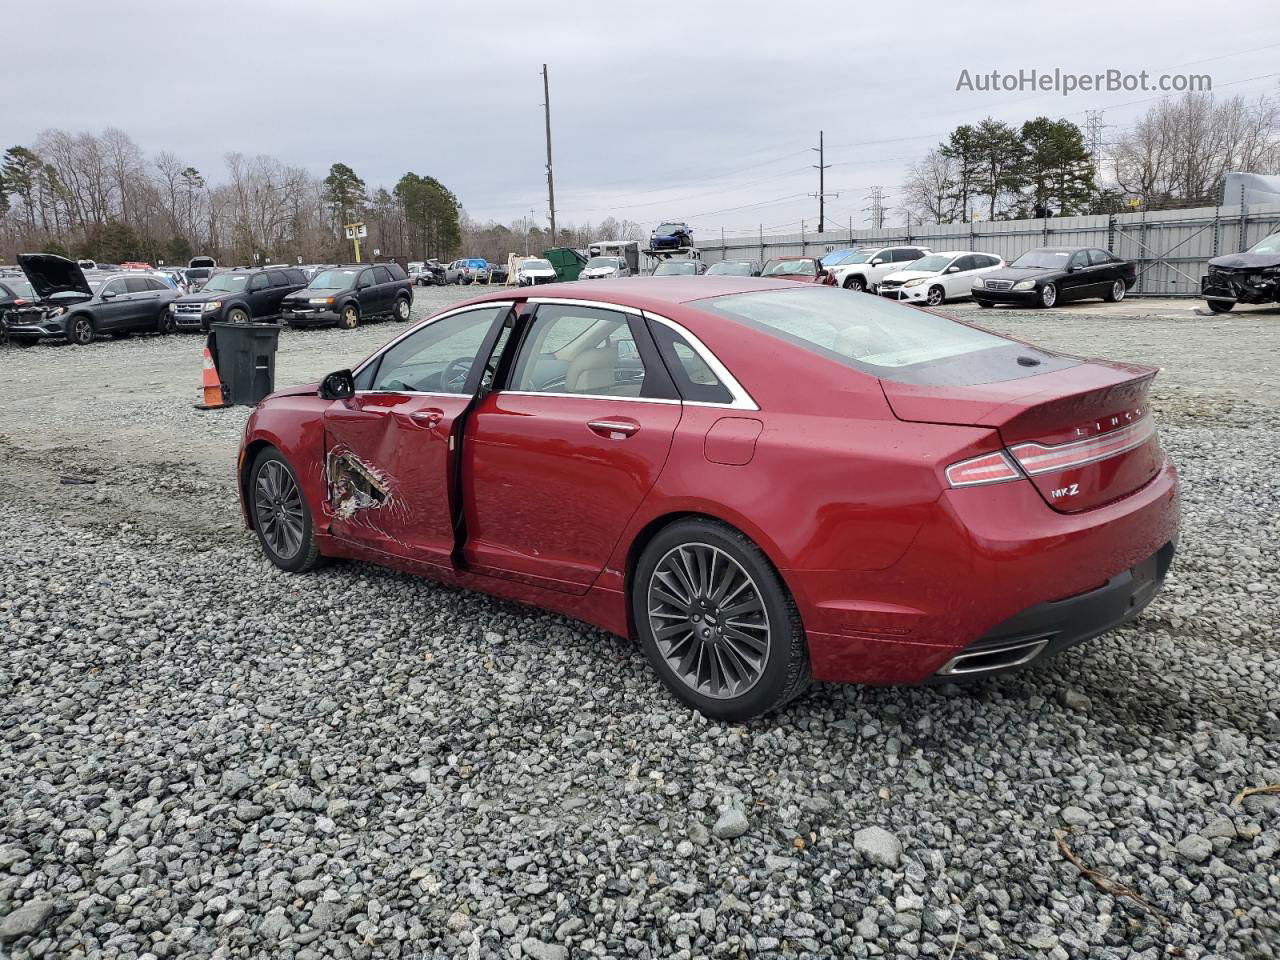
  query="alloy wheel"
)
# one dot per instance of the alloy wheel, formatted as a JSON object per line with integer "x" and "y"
{"x": 402, "y": 309}
{"x": 708, "y": 620}
{"x": 1049, "y": 295}
{"x": 82, "y": 331}
{"x": 935, "y": 296}
{"x": 350, "y": 319}
{"x": 1118, "y": 291}
{"x": 278, "y": 506}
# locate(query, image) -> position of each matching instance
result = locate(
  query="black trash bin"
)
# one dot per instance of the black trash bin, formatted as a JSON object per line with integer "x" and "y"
{"x": 245, "y": 357}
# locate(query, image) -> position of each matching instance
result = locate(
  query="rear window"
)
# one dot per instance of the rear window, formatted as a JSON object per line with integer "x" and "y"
{"x": 883, "y": 338}
{"x": 396, "y": 271}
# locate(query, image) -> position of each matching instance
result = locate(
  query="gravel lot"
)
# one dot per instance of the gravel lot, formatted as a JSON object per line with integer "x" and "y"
{"x": 201, "y": 756}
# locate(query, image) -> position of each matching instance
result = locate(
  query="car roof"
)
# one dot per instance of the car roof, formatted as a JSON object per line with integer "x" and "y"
{"x": 650, "y": 293}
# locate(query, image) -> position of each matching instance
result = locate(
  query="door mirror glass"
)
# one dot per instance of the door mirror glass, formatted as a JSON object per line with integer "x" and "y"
{"x": 107, "y": 294}
{"x": 953, "y": 269}
{"x": 338, "y": 385}
{"x": 876, "y": 262}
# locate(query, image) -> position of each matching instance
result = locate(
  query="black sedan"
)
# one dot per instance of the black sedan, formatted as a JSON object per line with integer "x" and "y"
{"x": 1053, "y": 275}
{"x": 1249, "y": 277}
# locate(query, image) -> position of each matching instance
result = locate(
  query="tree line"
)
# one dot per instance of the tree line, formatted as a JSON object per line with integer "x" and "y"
{"x": 1177, "y": 154}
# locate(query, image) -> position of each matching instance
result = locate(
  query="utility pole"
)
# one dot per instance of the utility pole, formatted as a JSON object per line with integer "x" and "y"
{"x": 551, "y": 184}
{"x": 821, "y": 194}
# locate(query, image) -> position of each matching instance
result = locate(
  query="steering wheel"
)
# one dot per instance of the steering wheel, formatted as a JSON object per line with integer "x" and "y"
{"x": 455, "y": 373}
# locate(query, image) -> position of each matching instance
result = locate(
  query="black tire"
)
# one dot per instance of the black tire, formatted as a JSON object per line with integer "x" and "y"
{"x": 937, "y": 296}
{"x": 349, "y": 318}
{"x": 1116, "y": 292}
{"x": 121, "y": 334}
{"x": 166, "y": 323}
{"x": 237, "y": 315}
{"x": 856, "y": 284}
{"x": 80, "y": 330}
{"x": 784, "y": 672}
{"x": 22, "y": 343}
{"x": 1220, "y": 306}
{"x": 306, "y": 555}
{"x": 403, "y": 310}
{"x": 1048, "y": 296}
{"x": 985, "y": 305}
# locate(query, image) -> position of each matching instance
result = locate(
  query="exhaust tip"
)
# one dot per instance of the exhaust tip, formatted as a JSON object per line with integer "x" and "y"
{"x": 996, "y": 657}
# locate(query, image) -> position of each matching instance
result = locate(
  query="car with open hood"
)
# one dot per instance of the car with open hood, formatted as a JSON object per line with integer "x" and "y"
{"x": 763, "y": 483}
{"x": 77, "y": 308}
{"x": 238, "y": 296}
{"x": 1047, "y": 276}
{"x": 532, "y": 271}
{"x": 938, "y": 277}
{"x": 1249, "y": 277}
{"x": 349, "y": 295}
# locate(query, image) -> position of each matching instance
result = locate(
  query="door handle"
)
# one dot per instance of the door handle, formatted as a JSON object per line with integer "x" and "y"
{"x": 614, "y": 429}
{"x": 430, "y": 417}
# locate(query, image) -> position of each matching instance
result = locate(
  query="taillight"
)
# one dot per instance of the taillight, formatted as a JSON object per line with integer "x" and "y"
{"x": 988, "y": 468}
{"x": 1037, "y": 458}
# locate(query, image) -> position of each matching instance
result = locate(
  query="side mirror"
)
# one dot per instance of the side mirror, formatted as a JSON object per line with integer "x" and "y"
{"x": 1071, "y": 268}
{"x": 876, "y": 262}
{"x": 338, "y": 385}
{"x": 107, "y": 294}
{"x": 953, "y": 269}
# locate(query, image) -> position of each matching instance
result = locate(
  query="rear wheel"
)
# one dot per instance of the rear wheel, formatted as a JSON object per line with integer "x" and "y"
{"x": 165, "y": 323}
{"x": 280, "y": 514}
{"x": 856, "y": 284}
{"x": 936, "y": 296}
{"x": 1116, "y": 293}
{"x": 717, "y": 623}
{"x": 402, "y": 309}
{"x": 349, "y": 319}
{"x": 1220, "y": 306}
{"x": 1048, "y": 295}
{"x": 80, "y": 330}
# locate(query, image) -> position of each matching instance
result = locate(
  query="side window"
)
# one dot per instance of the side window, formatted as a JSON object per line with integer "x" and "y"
{"x": 278, "y": 278}
{"x": 1080, "y": 259}
{"x": 396, "y": 271}
{"x": 115, "y": 286}
{"x": 1099, "y": 256}
{"x": 966, "y": 263}
{"x": 137, "y": 285}
{"x": 986, "y": 261}
{"x": 364, "y": 280}
{"x": 579, "y": 350}
{"x": 381, "y": 275}
{"x": 258, "y": 281}
{"x": 694, "y": 378}
{"x": 907, "y": 255}
{"x": 296, "y": 277}
{"x": 433, "y": 359}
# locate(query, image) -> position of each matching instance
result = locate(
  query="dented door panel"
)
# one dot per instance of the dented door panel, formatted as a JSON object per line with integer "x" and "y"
{"x": 387, "y": 464}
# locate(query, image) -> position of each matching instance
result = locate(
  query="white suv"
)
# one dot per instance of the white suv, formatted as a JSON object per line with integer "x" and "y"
{"x": 862, "y": 270}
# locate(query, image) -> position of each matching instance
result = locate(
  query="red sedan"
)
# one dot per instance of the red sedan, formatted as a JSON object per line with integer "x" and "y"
{"x": 763, "y": 483}
{"x": 798, "y": 269}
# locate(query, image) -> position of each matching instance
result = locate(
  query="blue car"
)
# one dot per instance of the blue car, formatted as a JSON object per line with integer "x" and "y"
{"x": 671, "y": 236}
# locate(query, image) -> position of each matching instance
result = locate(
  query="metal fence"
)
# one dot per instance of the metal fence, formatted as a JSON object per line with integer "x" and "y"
{"x": 1171, "y": 248}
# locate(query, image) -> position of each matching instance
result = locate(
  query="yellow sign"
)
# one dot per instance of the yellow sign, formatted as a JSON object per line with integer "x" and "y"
{"x": 1135, "y": 203}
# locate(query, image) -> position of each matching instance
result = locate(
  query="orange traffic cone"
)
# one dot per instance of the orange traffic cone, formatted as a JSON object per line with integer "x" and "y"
{"x": 211, "y": 385}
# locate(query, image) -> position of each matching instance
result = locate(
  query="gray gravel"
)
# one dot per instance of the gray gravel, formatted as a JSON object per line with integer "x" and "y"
{"x": 200, "y": 756}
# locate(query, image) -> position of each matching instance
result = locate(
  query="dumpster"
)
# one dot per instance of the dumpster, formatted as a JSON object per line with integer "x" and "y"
{"x": 245, "y": 357}
{"x": 567, "y": 262}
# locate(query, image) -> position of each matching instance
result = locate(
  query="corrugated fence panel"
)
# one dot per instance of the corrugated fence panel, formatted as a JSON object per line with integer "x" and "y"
{"x": 1170, "y": 247}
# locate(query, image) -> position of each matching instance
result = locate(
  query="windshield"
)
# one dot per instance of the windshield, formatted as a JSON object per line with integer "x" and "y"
{"x": 1270, "y": 245}
{"x": 669, "y": 228}
{"x": 934, "y": 263}
{"x": 537, "y": 265}
{"x": 791, "y": 268}
{"x": 332, "y": 280}
{"x": 874, "y": 335}
{"x": 610, "y": 262}
{"x": 682, "y": 269}
{"x": 1045, "y": 259}
{"x": 227, "y": 282}
{"x": 837, "y": 257}
{"x": 730, "y": 268}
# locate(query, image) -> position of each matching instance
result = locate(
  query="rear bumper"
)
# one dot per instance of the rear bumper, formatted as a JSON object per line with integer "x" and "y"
{"x": 1046, "y": 629}
{"x": 982, "y": 560}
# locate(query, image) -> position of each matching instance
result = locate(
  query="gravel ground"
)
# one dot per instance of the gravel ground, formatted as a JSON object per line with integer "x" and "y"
{"x": 201, "y": 756}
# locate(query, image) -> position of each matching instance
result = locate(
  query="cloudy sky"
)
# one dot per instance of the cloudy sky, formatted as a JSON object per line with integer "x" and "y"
{"x": 697, "y": 111}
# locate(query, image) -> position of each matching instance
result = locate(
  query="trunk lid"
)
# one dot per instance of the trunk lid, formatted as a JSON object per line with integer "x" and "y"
{"x": 50, "y": 274}
{"x": 1083, "y": 435}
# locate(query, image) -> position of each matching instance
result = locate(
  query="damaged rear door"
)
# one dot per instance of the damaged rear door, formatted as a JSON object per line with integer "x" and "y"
{"x": 388, "y": 449}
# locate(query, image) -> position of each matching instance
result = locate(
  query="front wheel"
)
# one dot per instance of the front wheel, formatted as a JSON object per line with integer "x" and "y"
{"x": 717, "y": 623}
{"x": 1116, "y": 293}
{"x": 280, "y": 514}
{"x": 1220, "y": 306}
{"x": 856, "y": 284}
{"x": 165, "y": 323}
{"x": 237, "y": 316}
{"x": 1048, "y": 295}
{"x": 402, "y": 309}
{"x": 985, "y": 305}
{"x": 349, "y": 319}
{"x": 937, "y": 296}
{"x": 80, "y": 331}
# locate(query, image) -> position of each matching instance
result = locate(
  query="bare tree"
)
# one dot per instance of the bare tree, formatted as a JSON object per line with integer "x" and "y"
{"x": 929, "y": 193}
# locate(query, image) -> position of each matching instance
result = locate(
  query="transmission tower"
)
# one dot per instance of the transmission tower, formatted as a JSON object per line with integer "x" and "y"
{"x": 876, "y": 210}
{"x": 1093, "y": 127}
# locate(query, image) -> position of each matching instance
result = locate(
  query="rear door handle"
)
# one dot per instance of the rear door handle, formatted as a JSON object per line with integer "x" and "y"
{"x": 430, "y": 417}
{"x": 614, "y": 429}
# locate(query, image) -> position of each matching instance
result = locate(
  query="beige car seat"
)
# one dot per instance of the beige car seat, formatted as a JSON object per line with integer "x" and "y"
{"x": 592, "y": 371}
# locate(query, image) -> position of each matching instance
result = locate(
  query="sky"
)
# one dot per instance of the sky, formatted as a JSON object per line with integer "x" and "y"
{"x": 701, "y": 111}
